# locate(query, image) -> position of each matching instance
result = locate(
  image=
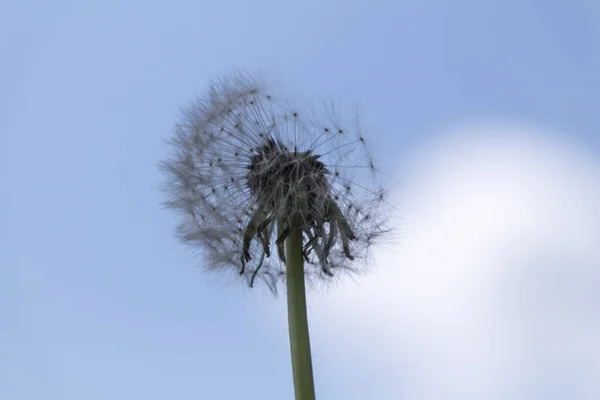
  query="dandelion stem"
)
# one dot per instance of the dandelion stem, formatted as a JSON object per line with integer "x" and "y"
{"x": 297, "y": 320}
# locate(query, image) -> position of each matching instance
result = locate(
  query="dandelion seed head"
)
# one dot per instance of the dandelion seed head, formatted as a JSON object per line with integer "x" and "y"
{"x": 246, "y": 168}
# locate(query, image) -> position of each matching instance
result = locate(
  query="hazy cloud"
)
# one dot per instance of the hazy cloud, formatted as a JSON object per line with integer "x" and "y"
{"x": 493, "y": 290}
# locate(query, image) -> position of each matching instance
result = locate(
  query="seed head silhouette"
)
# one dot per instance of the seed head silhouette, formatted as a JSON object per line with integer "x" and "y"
{"x": 246, "y": 169}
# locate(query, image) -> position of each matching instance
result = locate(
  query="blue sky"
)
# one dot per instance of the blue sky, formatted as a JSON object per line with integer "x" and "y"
{"x": 98, "y": 300}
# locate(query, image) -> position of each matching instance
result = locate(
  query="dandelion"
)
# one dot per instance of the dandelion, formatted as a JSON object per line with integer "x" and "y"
{"x": 274, "y": 193}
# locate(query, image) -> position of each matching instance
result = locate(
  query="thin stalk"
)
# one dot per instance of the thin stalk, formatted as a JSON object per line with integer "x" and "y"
{"x": 304, "y": 387}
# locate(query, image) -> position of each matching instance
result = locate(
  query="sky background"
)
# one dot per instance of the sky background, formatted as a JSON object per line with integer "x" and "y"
{"x": 486, "y": 114}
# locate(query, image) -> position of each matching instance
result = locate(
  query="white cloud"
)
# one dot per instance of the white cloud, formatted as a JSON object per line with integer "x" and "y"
{"x": 494, "y": 289}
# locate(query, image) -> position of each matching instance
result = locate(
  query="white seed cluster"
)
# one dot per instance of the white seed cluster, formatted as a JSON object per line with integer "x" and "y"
{"x": 246, "y": 170}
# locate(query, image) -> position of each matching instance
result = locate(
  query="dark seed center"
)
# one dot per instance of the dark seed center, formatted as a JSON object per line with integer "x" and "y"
{"x": 280, "y": 179}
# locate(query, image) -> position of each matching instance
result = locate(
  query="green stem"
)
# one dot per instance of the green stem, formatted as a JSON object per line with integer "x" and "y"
{"x": 304, "y": 387}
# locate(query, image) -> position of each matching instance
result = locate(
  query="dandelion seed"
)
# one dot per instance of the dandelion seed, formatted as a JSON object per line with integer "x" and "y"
{"x": 247, "y": 170}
